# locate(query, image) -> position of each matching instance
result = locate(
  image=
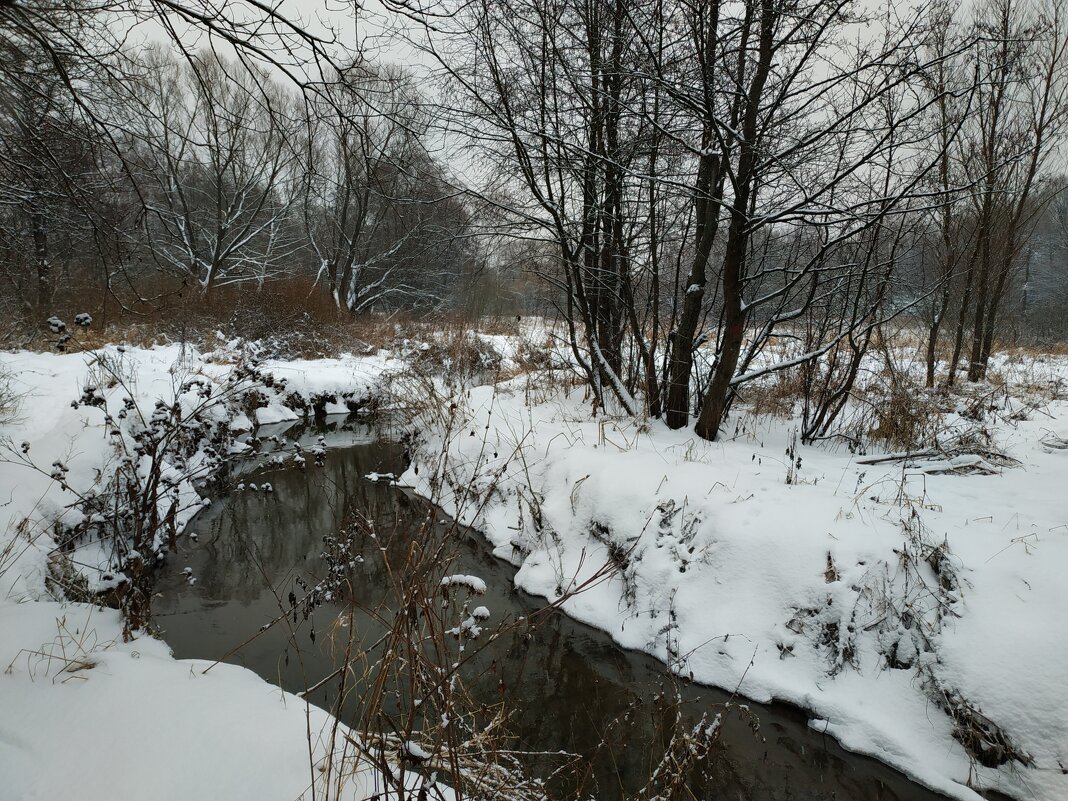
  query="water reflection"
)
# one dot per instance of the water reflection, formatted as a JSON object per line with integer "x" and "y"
{"x": 568, "y": 684}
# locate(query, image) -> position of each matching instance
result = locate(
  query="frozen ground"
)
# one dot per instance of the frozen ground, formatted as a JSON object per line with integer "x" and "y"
{"x": 912, "y": 605}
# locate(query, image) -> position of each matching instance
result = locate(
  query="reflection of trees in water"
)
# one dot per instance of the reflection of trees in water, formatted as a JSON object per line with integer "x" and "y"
{"x": 567, "y": 687}
{"x": 279, "y": 534}
{"x": 395, "y": 521}
{"x": 570, "y": 688}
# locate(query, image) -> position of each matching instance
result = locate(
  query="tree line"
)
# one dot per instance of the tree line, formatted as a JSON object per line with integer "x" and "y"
{"x": 119, "y": 165}
{"x": 709, "y": 180}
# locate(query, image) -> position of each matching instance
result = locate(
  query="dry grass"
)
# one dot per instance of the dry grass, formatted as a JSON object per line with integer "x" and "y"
{"x": 779, "y": 395}
{"x": 889, "y": 407}
{"x": 9, "y": 398}
{"x": 290, "y": 318}
{"x": 901, "y": 417}
{"x": 1032, "y": 351}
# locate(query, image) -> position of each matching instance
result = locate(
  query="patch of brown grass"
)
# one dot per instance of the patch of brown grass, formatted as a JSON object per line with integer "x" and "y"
{"x": 903, "y": 418}
{"x": 779, "y": 394}
{"x": 1021, "y": 352}
{"x": 290, "y": 317}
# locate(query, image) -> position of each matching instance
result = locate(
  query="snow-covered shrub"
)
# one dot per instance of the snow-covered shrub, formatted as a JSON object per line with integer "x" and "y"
{"x": 159, "y": 454}
{"x": 64, "y": 336}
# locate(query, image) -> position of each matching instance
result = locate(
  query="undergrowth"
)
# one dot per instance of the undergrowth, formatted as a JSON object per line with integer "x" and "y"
{"x": 9, "y": 397}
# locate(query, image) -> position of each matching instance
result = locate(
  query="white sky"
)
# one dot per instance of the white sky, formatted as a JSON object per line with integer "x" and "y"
{"x": 371, "y": 28}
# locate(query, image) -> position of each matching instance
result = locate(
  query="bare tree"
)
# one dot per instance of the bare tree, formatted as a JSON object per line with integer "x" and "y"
{"x": 65, "y": 59}
{"x": 552, "y": 95}
{"x": 51, "y": 178}
{"x": 625, "y": 135}
{"x": 361, "y": 179}
{"x": 212, "y": 147}
{"x": 1022, "y": 107}
{"x": 794, "y": 143}
{"x": 951, "y": 82}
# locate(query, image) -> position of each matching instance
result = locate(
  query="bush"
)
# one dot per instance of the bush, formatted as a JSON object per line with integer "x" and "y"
{"x": 9, "y": 398}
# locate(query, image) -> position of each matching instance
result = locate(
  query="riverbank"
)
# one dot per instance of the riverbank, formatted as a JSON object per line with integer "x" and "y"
{"x": 913, "y": 605}
{"x": 570, "y": 689}
{"x": 91, "y": 709}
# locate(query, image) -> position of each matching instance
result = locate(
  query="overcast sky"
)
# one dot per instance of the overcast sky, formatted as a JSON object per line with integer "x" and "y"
{"x": 372, "y": 29}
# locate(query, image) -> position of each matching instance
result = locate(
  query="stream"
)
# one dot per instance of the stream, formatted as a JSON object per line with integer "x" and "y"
{"x": 567, "y": 683}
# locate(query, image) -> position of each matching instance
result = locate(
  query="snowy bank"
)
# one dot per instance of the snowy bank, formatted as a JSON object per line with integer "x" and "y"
{"x": 914, "y": 606}
{"x": 87, "y": 716}
{"x": 91, "y": 709}
{"x": 84, "y": 418}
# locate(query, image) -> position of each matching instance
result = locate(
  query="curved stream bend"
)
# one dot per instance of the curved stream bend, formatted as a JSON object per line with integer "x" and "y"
{"x": 566, "y": 683}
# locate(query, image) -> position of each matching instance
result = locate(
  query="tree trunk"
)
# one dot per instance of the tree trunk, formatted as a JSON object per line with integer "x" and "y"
{"x": 932, "y": 348}
{"x": 962, "y": 319}
{"x": 975, "y": 366}
{"x": 739, "y": 234}
{"x": 708, "y": 189}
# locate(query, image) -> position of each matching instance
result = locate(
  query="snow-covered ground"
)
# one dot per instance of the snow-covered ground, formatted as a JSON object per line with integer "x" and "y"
{"x": 88, "y": 716}
{"x": 911, "y": 605}
{"x": 85, "y": 714}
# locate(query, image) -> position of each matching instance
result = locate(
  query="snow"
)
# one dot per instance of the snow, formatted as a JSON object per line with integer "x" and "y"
{"x": 951, "y": 568}
{"x": 381, "y": 477}
{"x": 91, "y": 717}
{"x": 348, "y": 375}
{"x": 85, "y": 714}
{"x": 268, "y": 415}
{"x": 864, "y": 591}
{"x": 470, "y": 583}
{"x": 416, "y": 751}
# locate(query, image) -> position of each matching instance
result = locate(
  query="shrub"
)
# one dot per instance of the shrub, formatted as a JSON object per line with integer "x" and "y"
{"x": 9, "y": 397}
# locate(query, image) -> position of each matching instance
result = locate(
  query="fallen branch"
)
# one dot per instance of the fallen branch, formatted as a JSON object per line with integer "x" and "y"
{"x": 899, "y": 457}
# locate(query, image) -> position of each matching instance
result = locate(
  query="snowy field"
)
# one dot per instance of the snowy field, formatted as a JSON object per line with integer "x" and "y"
{"x": 914, "y": 604}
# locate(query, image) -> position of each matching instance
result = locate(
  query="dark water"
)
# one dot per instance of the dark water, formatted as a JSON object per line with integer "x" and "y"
{"x": 567, "y": 684}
